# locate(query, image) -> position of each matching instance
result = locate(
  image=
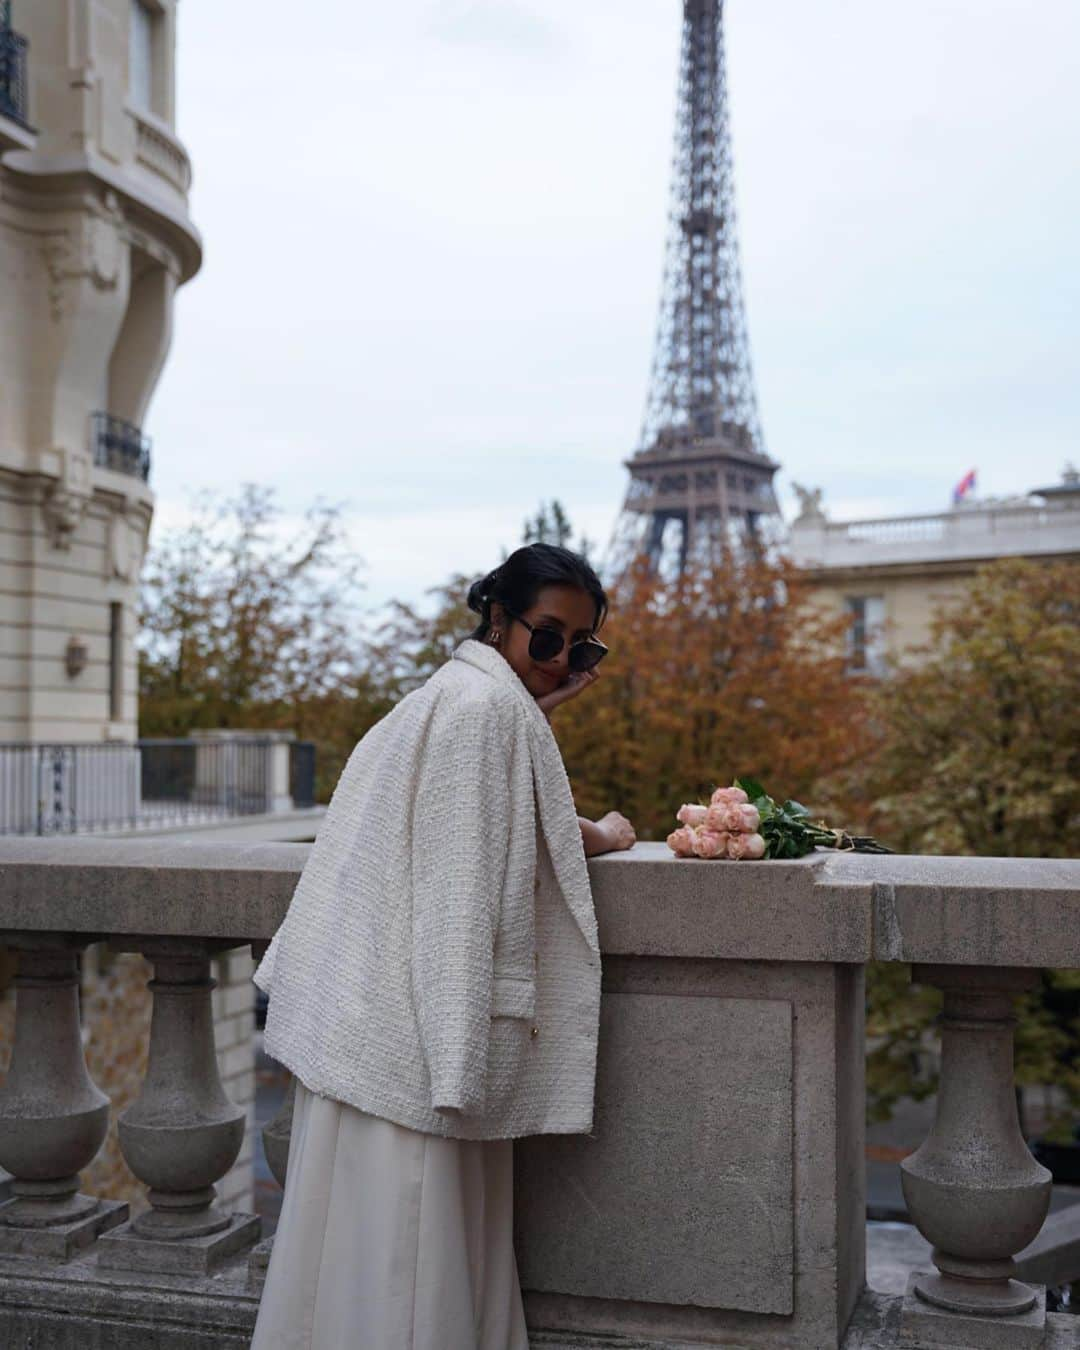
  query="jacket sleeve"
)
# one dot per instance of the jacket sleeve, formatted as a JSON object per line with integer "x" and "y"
{"x": 460, "y": 828}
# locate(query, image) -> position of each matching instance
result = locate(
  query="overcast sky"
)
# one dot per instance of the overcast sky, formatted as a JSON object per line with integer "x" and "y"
{"x": 434, "y": 235}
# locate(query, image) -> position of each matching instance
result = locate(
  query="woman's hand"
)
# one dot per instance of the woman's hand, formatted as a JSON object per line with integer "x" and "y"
{"x": 618, "y": 829}
{"x": 547, "y": 703}
{"x": 609, "y": 834}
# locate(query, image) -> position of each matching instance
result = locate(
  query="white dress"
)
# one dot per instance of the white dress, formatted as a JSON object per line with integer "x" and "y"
{"x": 390, "y": 1239}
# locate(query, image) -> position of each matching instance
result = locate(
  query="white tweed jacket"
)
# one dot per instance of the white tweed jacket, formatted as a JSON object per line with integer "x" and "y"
{"x": 438, "y": 964}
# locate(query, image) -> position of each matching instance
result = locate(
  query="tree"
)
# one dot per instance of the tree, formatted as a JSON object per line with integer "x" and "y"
{"x": 980, "y": 754}
{"x": 981, "y": 731}
{"x": 551, "y": 525}
{"x": 412, "y": 643}
{"x": 250, "y": 621}
{"x": 243, "y": 616}
{"x": 727, "y": 669}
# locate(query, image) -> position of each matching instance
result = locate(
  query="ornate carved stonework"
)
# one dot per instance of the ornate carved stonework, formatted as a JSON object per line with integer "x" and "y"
{"x": 94, "y": 250}
{"x": 63, "y": 511}
{"x": 810, "y": 507}
{"x": 126, "y": 539}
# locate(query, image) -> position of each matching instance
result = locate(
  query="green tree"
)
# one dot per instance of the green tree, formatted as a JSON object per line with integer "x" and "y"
{"x": 981, "y": 744}
{"x": 980, "y": 754}
{"x": 551, "y": 525}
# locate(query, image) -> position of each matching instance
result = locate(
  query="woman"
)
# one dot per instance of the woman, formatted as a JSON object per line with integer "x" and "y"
{"x": 436, "y": 987}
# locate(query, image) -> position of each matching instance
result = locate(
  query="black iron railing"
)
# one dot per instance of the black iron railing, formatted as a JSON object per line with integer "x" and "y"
{"x": 73, "y": 789}
{"x": 120, "y": 445}
{"x": 13, "y": 47}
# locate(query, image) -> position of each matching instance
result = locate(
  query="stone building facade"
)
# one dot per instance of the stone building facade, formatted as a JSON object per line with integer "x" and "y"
{"x": 890, "y": 574}
{"x": 95, "y": 237}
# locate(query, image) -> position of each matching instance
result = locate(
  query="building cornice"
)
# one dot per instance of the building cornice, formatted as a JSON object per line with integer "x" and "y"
{"x": 924, "y": 570}
{"x": 153, "y": 211}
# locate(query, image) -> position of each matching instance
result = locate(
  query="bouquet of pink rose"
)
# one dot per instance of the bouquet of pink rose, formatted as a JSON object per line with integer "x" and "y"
{"x": 743, "y": 821}
{"x": 726, "y": 828}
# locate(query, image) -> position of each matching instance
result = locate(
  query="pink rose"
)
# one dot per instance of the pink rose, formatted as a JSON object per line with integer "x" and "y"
{"x": 729, "y": 794}
{"x": 751, "y": 818}
{"x": 691, "y": 815}
{"x": 746, "y": 846}
{"x": 724, "y": 816}
{"x": 681, "y": 843}
{"x": 710, "y": 843}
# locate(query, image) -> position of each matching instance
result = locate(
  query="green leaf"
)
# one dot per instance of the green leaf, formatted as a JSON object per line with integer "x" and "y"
{"x": 752, "y": 788}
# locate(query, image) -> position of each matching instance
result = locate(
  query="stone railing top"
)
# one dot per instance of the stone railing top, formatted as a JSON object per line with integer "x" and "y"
{"x": 988, "y": 529}
{"x": 828, "y": 907}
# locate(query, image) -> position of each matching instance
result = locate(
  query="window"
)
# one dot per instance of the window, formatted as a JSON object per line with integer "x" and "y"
{"x": 866, "y": 650}
{"x": 141, "y": 56}
{"x": 116, "y": 661}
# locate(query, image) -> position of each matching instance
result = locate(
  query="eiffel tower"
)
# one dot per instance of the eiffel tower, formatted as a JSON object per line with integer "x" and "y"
{"x": 701, "y": 474}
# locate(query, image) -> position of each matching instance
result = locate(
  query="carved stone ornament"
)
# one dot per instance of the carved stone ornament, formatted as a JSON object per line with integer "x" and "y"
{"x": 63, "y": 511}
{"x": 94, "y": 251}
{"x": 123, "y": 548}
{"x": 102, "y": 245}
{"x": 810, "y": 507}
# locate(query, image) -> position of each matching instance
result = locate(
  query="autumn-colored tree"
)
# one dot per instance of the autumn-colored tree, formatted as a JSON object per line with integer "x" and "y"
{"x": 248, "y": 621}
{"x": 413, "y": 641}
{"x": 728, "y": 669}
{"x": 980, "y": 754}
{"x": 981, "y": 744}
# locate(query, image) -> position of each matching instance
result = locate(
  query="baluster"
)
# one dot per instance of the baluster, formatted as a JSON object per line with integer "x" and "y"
{"x": 276, "y": 1136}
{"x": 183, "y": 1133}
{"x": 53, "y": 1119}
{"x": 973, "y": 1189}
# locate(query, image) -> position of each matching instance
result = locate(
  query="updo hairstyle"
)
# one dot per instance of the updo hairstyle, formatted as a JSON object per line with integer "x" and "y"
{"x": 517, "y": 582}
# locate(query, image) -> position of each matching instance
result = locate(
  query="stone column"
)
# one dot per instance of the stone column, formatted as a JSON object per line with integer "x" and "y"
{"x": 973, "y": 1189}
{"x": 53, "y": 1119}
{"x": 182, "y": 1134}
{"x": 278, "y": 787}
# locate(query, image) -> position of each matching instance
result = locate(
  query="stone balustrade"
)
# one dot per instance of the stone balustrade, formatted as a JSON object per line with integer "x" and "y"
{"x": 1029, "y": 527}
{"x": 159, "y": 152}
{"x": 718, "y": 1200}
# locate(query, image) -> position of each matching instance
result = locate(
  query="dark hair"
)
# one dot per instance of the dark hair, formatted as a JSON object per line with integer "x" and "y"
{"x": 516, "y": 582}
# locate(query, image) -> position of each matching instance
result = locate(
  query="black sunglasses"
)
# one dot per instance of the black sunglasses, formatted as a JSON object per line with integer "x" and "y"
{"x": 545, "y": 644}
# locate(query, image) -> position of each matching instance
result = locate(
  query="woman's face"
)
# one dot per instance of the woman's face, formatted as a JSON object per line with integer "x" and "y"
{"x": 569, "y": 610}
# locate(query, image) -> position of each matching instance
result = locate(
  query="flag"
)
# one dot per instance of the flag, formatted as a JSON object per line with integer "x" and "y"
{"x": 965, "y": 485}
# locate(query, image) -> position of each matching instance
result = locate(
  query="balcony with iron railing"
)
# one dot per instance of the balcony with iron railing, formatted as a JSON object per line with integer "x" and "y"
{"x": 119, "y": 445}
{"x": 719, "y": 1198}
{"x": 15, "y": 129}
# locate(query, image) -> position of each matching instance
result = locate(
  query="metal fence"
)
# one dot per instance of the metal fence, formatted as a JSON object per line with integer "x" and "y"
{"x": 70, "y": 789}
{"x": 13, "y": 102}
{"x": 120, "y": 446}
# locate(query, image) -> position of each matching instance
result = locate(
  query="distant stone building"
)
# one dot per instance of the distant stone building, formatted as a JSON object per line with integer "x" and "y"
{"x": 888, "y": 574}
{"x": 95, "y": 237}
